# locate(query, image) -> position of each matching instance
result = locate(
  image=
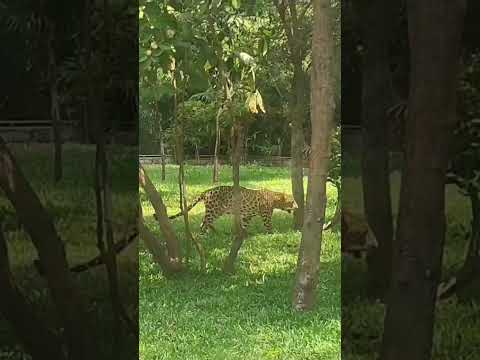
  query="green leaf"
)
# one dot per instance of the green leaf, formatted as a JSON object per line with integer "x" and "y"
{"x": 236, "y": 4}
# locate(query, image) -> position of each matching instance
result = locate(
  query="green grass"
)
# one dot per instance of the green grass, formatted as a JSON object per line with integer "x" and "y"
{"x": 457, "y": 323}
{"x": 72, "y": 204}
{"x": 246, "y": 316}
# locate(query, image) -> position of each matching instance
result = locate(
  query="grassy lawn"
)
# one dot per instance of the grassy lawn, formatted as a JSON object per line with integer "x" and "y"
{"x": 72, "y": 203}
{"x": 246, "y": 316}
{"x": 457, "y": 334}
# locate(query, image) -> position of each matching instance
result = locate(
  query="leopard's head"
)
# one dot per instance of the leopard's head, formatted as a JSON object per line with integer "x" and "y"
{"x": 285, "y": 202}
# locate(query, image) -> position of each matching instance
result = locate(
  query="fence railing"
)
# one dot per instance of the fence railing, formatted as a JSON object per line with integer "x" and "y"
{"x": 275, "y": 161}
{"x": 8, "y": 125}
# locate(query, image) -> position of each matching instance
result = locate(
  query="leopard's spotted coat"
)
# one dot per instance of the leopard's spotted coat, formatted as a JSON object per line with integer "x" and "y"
{"x": 219, "y": 201}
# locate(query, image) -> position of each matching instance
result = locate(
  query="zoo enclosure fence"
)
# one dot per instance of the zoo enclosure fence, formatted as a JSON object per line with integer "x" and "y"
{"x": 273, "y": 161}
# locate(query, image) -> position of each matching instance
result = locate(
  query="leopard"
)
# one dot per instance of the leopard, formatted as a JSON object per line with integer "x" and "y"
{"x": 358, "y": 238}
{"x": 219, "y": 201}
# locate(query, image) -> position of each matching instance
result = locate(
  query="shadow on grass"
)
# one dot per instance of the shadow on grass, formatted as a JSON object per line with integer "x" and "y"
{"x": 72, "y": 204}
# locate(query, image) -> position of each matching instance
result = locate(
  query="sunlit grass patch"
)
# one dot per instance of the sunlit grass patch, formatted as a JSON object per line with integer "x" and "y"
{"x": 247, "y": 315}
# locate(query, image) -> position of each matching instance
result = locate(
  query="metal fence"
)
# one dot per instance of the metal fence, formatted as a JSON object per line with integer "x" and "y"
{"x": 27, "y": 131}
{"x": 274, "y": 161}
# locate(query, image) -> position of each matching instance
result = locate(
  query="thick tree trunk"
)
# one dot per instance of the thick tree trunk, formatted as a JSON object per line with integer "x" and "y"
{"x": 51, "y": 252}
{"x": 323, "y": 108}
{"x": 15, "y": 308}
{"x": 172, "y": 243}
{"x": 377, "y": 97}
{"x": 435, "y": 29}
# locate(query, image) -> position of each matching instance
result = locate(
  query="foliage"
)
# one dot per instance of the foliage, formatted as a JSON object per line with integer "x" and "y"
{"x": 243, "y": 38}
{"x": 465, "y": 167}
{"x": 247, "y": 315}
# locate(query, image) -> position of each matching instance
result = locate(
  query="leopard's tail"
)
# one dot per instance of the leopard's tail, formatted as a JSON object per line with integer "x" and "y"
{"x": 190, "y": 207}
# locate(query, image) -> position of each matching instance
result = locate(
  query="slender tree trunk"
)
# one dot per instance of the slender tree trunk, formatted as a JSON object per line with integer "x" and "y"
{"x": 435, "y": 29}
{"x": 179, "y": 142}
{"x": 104, "y": 198}
{"x": 245, "y": 147}
{"x": 162, "y": 146}
{"x": 216, "y": 165}
{"x": 322, "y": 113}
{"x": 86, "y": 42}
{"x": 376, "y": 19}
{"x": 15, "y": 308}
{"x": 297, "y": 51}
{"x": 296, "y": 119}
{"x": 171, "y": 240}
{"x": 223, "y": 83}
{"x": 197, "y": 154}
{"x": 51, "y": 253}
{"x": 239, "y": 234}
{"x": 155, "y": 247}
{"x": 55, "y": 105}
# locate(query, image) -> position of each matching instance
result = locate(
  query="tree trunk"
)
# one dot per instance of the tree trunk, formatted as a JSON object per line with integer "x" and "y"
{"x": 162, "y": 153}
{"x": 54, "y": 105}
{"x": 435, "y": 29}
{"x": 218, "y": 48}
{"x": 172, "y": 243}
{"x": 197, "y": 154}
{"x": 245, "y": 148}
{"x": 51, "y": 253}
{"x": 179, "y": 145}
{"x": 216, "y": 165}
{"x": 89, "y": 95}
{"x": 322, "y": 114}
{"x": 27, "y": 326}
{"x": 239, "y": 234}
{"x": 377, "y": 97}
{"x": 155, "y": 247}
{"x": 297, "y": 51}
{"x": 296, "y": 119}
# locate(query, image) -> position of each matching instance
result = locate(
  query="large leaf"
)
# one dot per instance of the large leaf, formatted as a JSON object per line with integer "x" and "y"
{"x": 259, "y": 100}
{"x": 246, "y": 59}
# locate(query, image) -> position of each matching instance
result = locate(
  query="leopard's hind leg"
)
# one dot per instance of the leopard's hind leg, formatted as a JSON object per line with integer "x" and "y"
{"x": 211, "y": 214}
